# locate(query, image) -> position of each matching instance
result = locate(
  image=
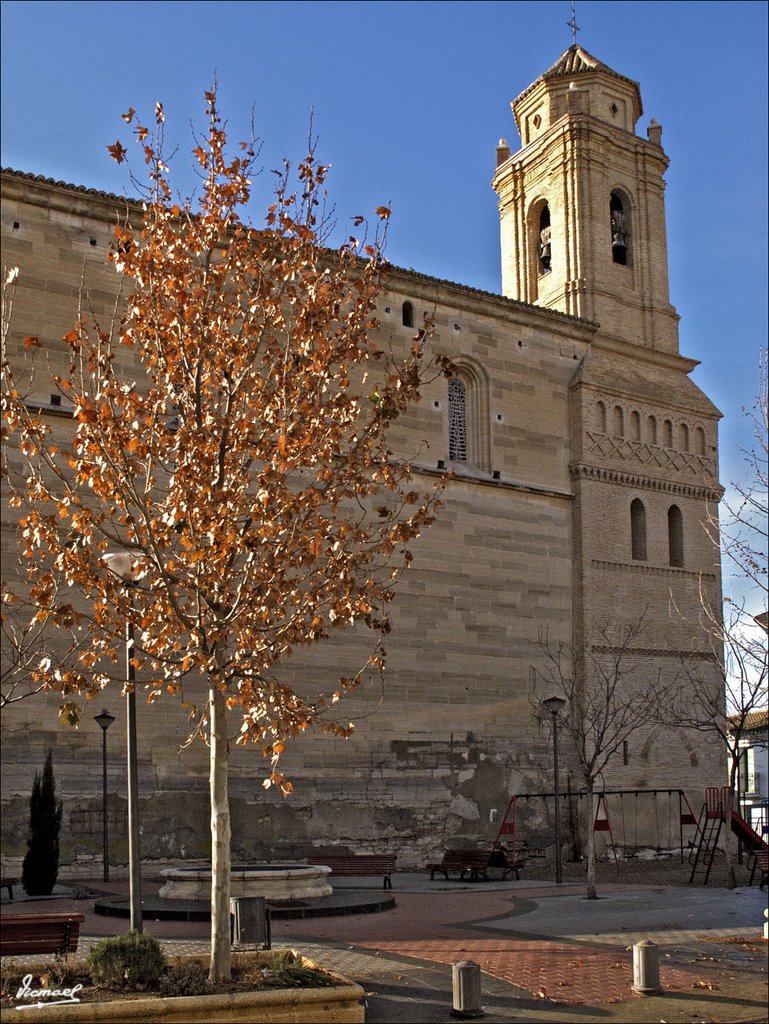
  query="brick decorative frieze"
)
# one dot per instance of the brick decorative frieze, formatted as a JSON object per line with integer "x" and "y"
{"x": 642, "y": 453}
{"x": 702, "y": 492}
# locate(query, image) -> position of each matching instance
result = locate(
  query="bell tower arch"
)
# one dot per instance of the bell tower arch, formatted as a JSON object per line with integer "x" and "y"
{"x": 582, "y": 212}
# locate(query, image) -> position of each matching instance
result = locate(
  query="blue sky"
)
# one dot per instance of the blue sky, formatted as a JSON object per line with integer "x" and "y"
{"x": 409, "y": 101}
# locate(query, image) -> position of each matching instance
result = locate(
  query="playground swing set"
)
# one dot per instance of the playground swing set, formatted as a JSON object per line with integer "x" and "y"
{"x": 702, "y": 847}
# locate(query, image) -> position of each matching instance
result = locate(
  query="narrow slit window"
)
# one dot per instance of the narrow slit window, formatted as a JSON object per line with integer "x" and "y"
{"x": 619, "y": 421}
{"x": 600, "y": 417}
{"x": 635, "y": 426}
{"x": 638, "y": 530}
{"x": 676, "y": 536}
{"x": 407, "y": 314}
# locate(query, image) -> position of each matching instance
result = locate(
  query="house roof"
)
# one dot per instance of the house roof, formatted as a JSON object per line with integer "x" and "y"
{"x": 753, "y": 721}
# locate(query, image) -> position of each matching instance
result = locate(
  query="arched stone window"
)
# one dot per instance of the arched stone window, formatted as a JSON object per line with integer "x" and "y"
{"x": 618, "y": 422}
{"x": 651, "y": 430}
{"x": 619, "y": 221}
{"x": 638, "y": 530}
{"x": 667, "y": 434}
{"x": 457, "y": 420}
{"x": 699, "y": 435}
{"x": 683, "y": 437}
{"x": 600, "y": 417}
{"x": 635, "y": 426}
{"x": 407, "y": 315}
{"x": 676, "y": 536}
{"x": 469, "y": 431}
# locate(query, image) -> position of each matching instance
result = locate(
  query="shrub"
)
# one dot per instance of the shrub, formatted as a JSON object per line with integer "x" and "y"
{"x": 188, "y": 979}
{"x": 132, "y": 961}
{"x": 41, "y": 862}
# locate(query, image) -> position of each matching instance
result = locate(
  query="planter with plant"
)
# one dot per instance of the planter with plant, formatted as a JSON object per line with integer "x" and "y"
{"x": 129, "y": 979}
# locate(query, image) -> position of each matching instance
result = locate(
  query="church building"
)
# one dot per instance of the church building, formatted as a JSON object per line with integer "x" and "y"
{"x": 584, "y": 467}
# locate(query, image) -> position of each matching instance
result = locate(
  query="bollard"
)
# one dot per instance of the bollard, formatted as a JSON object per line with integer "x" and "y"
{"x": 766, "y": 925}
{"x": 646, "y": 968}
{"x": 466, "y": 986}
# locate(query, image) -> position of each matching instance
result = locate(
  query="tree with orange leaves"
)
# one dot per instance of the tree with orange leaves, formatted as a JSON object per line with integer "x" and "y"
{"x": 235, "y": 465}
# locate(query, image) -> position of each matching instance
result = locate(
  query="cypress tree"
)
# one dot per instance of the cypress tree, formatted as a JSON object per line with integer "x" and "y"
{"x": 41, "y": 862}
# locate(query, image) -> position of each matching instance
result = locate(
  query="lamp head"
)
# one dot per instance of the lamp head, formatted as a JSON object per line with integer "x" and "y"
{"x": 554, "y": 705}
{"x": 104, "y": 720}
{"x": 122, "y": 564}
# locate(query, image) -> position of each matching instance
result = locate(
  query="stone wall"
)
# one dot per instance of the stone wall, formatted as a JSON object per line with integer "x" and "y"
{"x": 534, "y": 538}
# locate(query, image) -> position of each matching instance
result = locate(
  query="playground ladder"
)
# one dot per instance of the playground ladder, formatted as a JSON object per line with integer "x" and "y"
{"x": 712, "y": 817}
{"x": 703, "y": 851}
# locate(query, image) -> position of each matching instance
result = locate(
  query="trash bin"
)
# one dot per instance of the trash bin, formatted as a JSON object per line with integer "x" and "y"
{"x": 250, "y": 921}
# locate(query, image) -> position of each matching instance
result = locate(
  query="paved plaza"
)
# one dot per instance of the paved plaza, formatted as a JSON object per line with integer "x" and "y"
{"x": 545, "y": 952}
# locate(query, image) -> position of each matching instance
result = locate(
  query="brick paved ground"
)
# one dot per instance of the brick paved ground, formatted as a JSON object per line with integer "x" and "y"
{"x": 549, "y": 970}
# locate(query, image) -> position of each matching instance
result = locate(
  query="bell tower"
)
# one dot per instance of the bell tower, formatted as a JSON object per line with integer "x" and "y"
{"x": 582, "y": 210}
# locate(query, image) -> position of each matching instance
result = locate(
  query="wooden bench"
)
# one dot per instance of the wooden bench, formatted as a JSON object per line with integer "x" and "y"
{"x": 474, "y": 862}
{"x": 359, "y": 864}
{"x": 8, "y": 883}
{"x": 25, "y": 934}
{"x": 760, "y": 861}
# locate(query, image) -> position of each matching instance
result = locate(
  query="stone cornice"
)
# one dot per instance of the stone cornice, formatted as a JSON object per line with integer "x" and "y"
{"x": 477, "y": 478}
{"x": 654, "y": 356}
{"x": 702, "y": 492}
{"x": 644, "y": 569}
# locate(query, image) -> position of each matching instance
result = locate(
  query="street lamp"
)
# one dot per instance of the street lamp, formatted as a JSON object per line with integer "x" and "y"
{"x": 555, "y": 705}
{"x": 123, "y": 565}
{"x": 104, "y": 721}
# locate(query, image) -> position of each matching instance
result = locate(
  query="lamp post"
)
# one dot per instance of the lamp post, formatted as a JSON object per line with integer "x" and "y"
{"x": 555, "y": 705}
{"x": 123, "y": 565}
{"x": 104, "y": 721}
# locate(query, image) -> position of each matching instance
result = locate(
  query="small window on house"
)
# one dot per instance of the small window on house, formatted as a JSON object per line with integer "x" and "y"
{"x": 635, "y": 426}
{"x": 619, "y": 230}
{"x": 407, "y": 314}
{"x": 600, "y": 417}
{"x": 683, "y": 438}
{"x": 676, "y": 536}
{"x": 638, "y": 530}
{"x": 618, "y": 424}
{"x": 699, "y": 435}
{"x": 651, "y": 429}
{"x": 667, "y": 434}
{"x": 545, "y": 252}
{"x": 457, "y": 420}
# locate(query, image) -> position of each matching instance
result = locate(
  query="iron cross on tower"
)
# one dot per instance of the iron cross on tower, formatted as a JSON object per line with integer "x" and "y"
{"x": 573, "y": 23}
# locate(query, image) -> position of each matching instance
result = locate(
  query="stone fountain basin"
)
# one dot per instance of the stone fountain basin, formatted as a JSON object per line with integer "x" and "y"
{"x": 272, "y": 881}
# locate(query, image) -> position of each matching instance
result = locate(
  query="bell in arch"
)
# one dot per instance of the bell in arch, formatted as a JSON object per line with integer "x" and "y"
{"x": 618, "y": 232}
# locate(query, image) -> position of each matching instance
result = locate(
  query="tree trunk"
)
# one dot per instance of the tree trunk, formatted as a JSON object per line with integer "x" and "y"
{"x": 220, "y": 840}
{"x": 591, "y": 890}
{"x": 730, "y": 839}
